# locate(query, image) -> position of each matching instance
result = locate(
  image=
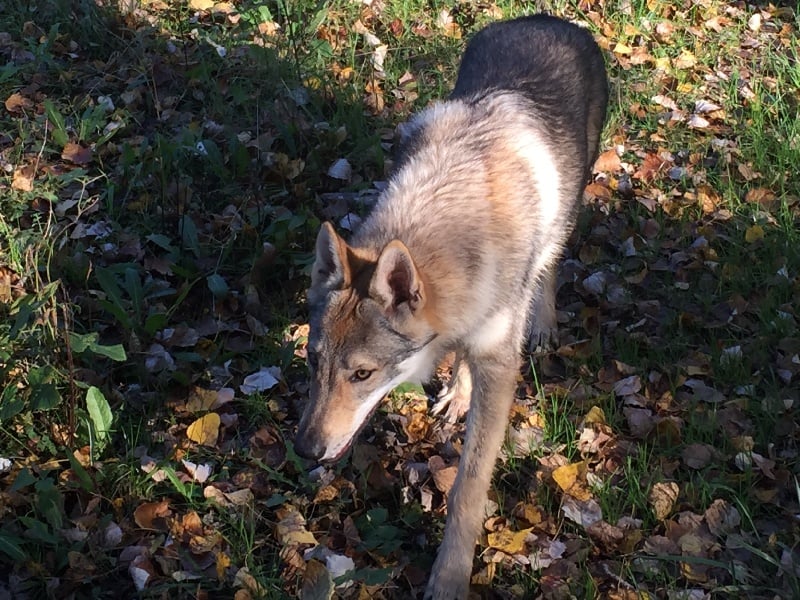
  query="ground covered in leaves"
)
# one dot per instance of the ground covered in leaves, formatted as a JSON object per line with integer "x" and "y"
{"x": 165, "y": 169}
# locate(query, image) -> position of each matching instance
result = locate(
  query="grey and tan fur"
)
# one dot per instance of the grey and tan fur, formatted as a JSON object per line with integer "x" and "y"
{"x": 459, "y": 254}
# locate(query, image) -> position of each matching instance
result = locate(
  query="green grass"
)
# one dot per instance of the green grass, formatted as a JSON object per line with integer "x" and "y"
{"x": 206, "y": 186}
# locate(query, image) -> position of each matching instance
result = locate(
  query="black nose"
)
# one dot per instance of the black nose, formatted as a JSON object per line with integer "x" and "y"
{"x": 307, "y": 447}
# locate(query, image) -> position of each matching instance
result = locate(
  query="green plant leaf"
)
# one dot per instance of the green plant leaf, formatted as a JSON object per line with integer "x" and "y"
{"x": 44, "y": 396}
{"x": 55, "y": 117}
{"x": 99, "y": 412}
{"x": 50, "y": 502}
{"x": 23, "y": 480}
{"x": 10, "y": 403}
{"x": 217, "y": 285}
{"x": 11, "y": 547}
{"x": 82, "y": 474}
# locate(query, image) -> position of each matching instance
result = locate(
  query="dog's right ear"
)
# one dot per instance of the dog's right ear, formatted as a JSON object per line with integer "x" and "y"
{"x": 330, "y": 270}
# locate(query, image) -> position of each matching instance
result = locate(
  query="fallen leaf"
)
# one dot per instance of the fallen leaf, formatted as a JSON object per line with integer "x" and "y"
{"x": 686, "y": 60}
{"x": 663, "y": 496}
{"x": 75, "y": 153}
{"x": 17, "y": 103}
{"x": 199, "y": 473}
{"x": 697, "y": 456}
{"x": 152, "y": 515}
{"x": 23, "y": 179}
{"x": 582, "y": 512}
{"x": 205, "y": 430}
{"x": 722, "y": 518}
{"x": 571, "y": 479}
{"x": 510, "y": 542}
{"x": 291, "y": 529}
{"x": 608, "y": 161}
{"x": 317, "y": 582}
{"x": 264, "y": 379}
{"x": 754, "y": 234}
{"x": 444, "y": 475}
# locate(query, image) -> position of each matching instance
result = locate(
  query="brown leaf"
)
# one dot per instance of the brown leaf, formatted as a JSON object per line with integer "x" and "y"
{"x": 608, "y": 161}
{"x": 663, "y": 496}
{"x": 763, "y": 196}
{"x": 291, "y": 528}
{"x": 17, "y": 103}
{"x": 201, "y": 400}
{"x": 444, "y": 475}
{"x": 77, "y": 154}
{"x": 152, "y": 515}
{"x": 697, "y": 456}
{"x": 651, "y": 167}
{"x": 317, "y": 582}
{"x": 23, "y": 179}
{"x": 417, "y": 427}
{"x": 606, "y": 534}
{"x": 722, "y": 518}
{"x": 686, "y": 60}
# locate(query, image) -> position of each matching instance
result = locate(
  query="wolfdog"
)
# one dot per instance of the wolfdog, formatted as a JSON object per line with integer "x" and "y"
{"x": 459, "y": 254}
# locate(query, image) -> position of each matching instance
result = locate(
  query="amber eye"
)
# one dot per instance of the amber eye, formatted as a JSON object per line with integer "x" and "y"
{"x": 361, "y": 375}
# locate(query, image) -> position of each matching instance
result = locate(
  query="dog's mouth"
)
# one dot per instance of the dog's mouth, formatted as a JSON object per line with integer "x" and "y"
{"x": 339, "y": 454}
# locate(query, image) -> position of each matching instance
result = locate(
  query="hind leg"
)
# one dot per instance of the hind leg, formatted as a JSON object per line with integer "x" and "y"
{"x": 542, "y": 321}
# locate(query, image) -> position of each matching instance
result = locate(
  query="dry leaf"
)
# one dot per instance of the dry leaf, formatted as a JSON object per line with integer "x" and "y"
{"x": 205, "y": 430}
{"x": 662, "y": 498}
{"x": 572, "y": 480}
{"x": 17, "y": 103}
{"x": 686, "y": 60}
{"x": 697, "y": 456}
{"x": 317, "y": 582}
{"x": 444, "y": 475}
{"x": 23, "y": 179}
{"x": 152, "y": 515}
{"x": 77, "y": 154}
{"x": 510, "y": 542}
{"x": 722, "y": 518}
{"x": 291, "y": 529}
{"x": 754, "y": 234}
{"x": 608, "y": 161}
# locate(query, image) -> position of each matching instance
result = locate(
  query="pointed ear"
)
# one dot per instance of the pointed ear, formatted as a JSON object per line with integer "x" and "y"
{"x": 330, "y": 270}
{"x": 396, "y": 279}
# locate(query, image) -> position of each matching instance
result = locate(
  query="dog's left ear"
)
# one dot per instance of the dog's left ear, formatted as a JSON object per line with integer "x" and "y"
{"x": 396, "y": 280}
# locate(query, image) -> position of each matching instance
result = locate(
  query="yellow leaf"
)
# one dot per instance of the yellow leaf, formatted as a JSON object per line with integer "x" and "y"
{"x": 686, "y": 60}
{"x": 568, "y": 475}
{"x": 201, "y": 4}
{"x": 621, "y": 48}
{"x": 662, "y": 63}
{"x": 223, "y": 562}
{"x": 595, "y": 415}
{"x": 572, "y": 480}
{"x": 204, "y": 430}
{"x": 753, "y": 234}
{"x": 510, "y": 542}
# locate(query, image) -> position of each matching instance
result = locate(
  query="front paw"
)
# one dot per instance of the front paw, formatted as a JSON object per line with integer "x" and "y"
{"x": 448, "y": 584}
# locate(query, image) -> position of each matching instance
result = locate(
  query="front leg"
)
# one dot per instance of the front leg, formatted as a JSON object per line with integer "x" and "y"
{"x": 493, "y": 385}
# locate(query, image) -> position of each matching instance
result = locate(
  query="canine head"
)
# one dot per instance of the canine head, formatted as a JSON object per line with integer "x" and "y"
{"x": 368, "y": 334}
